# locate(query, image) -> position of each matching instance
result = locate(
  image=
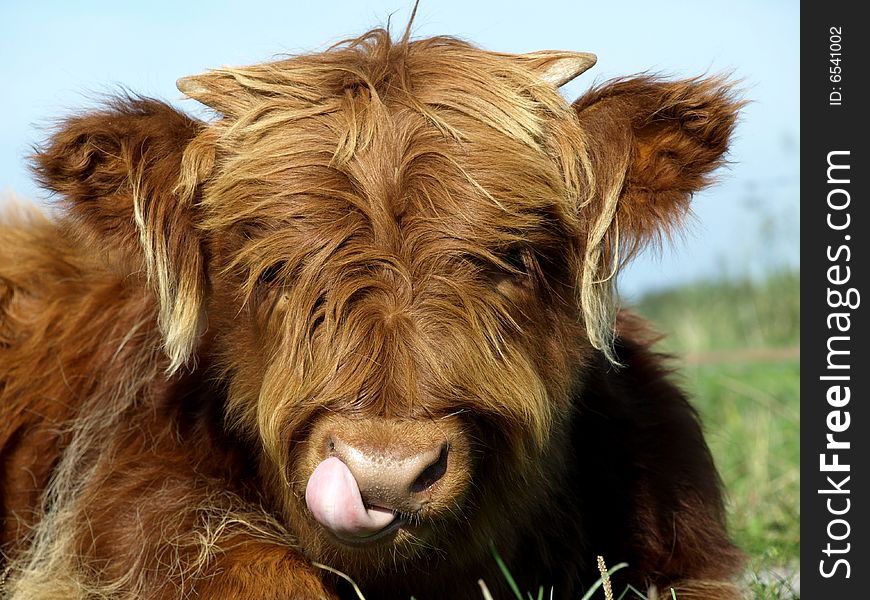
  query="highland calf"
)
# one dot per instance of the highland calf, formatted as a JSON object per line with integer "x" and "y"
{"x": 365, "y": 319}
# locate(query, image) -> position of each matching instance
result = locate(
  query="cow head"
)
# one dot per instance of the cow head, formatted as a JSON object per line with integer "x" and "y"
{"x": 398, "y": 259}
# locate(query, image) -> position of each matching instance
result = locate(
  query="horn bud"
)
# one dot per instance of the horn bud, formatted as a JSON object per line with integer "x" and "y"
{"x": 558, "y": 67}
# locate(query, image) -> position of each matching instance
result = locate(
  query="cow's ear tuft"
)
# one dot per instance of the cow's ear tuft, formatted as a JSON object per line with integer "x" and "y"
{"x": 650, "y": 145}
{"x": 654, "y": 143}
{"x": 117, "y": 171}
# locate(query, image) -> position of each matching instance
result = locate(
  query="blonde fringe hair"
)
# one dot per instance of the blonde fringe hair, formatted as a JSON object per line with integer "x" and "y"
{"x": 348, "y": 82}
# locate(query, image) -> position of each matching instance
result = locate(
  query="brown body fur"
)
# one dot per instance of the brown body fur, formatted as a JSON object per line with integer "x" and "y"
{"x": 376, "y": 240}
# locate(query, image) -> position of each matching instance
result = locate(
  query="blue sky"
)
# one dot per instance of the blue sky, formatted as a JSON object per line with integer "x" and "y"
{"x": 58, "y": 56}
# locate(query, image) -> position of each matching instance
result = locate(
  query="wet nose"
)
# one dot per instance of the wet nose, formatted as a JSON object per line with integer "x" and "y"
{"x": 396, "y": 479}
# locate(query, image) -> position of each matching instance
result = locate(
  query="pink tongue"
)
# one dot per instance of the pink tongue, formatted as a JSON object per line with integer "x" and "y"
{"x": 334, "y": 499}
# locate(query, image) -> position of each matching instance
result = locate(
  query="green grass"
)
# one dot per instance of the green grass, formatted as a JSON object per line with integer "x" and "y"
{"x": 727, "y": 315}
{"x": 751, "y": 413}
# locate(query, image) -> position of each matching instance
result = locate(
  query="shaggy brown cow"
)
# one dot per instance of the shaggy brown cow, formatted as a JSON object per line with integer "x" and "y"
{"x": 363, "y": 319}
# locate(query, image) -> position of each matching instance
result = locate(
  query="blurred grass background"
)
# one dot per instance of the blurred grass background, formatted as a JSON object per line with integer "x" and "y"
{"x": 737, "y": 349}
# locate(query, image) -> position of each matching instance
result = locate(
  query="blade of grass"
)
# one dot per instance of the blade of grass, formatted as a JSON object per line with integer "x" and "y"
{"x": 484, "y": 590}
{"x": 540, "y": 594}
{"x": 507, "y": 574}
{"x": 631, "y": 588}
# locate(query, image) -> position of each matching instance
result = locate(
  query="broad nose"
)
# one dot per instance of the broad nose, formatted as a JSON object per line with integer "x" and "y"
{"x": 370, "y": 477}
{"x": 398, "y": 478}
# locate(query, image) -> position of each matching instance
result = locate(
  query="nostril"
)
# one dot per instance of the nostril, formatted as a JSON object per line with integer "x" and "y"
{"x": 433, "y": 472}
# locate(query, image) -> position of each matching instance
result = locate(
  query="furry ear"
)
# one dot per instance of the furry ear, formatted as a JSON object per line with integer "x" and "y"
{"x": 650, "y": 145}
{"x": 118, "y": 171}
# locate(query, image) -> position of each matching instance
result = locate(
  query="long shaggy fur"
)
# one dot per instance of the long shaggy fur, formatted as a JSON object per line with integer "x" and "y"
{"x": 381, "y": 238}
